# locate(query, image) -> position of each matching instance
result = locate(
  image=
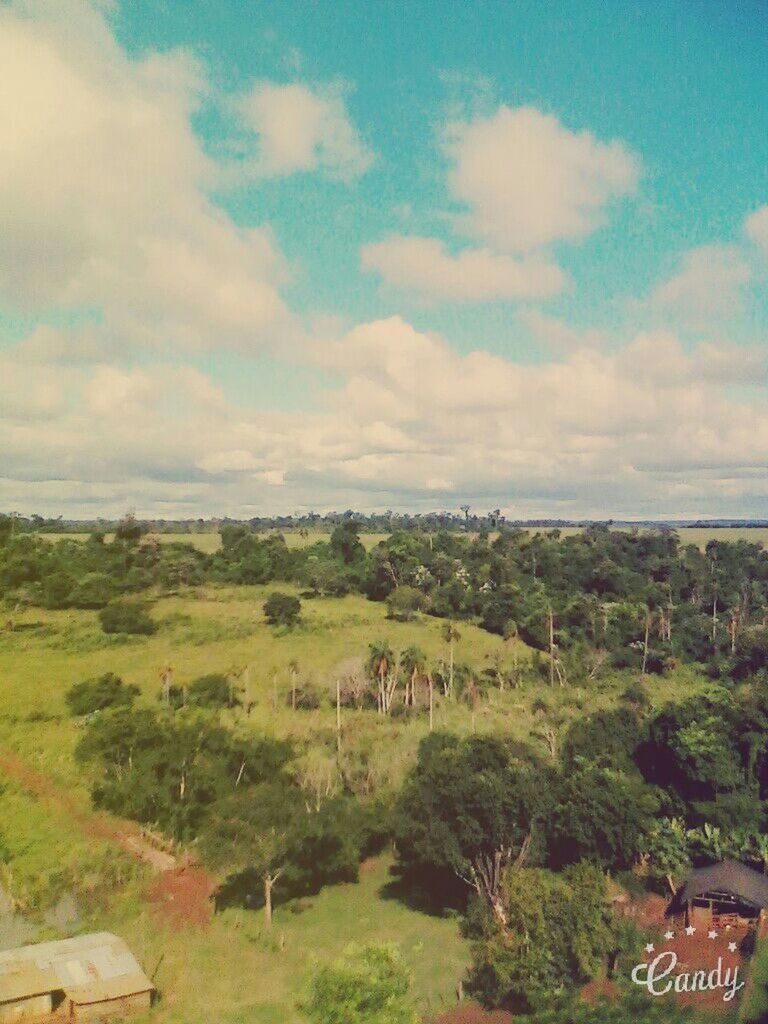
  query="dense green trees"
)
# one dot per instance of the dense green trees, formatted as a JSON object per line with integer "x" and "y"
{"x": 558, "y": 933}
{"x": 239, "y": 797}
{"x": 597, "y": 600}
{"x": 169, "y": 771}
{"x": 469, "y": 807}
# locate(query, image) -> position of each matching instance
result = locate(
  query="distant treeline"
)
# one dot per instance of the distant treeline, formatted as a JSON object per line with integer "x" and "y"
{"x": 594, "y": 600}
{"x": 376, "y": 522}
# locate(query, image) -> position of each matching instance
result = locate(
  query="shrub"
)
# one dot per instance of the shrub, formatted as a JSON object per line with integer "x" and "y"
{"x": 366, "y": 985}
{"x": 403, "y": 603}
{"x": 282, "y": 609}
{"x": 305, "y": 697}
{"x": 107, "y": 691}
{"x": 94, "y": 590}
{"x": 127, "y": 617}
{"x": 212, "y": 691}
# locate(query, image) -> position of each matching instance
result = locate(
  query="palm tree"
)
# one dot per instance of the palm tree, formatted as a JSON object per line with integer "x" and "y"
{"x": 760, "y": 850}
{"x": 710, "y": 842}
{"x": 450, "y": 635}
{"x": 414, "y": 663}
{"x": 380, "y": 660}
{"x": 293, "y": 667}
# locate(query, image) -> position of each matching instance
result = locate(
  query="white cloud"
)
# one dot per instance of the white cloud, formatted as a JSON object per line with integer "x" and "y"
{"x": 412, "y": 422}
{"x": 756, "y": 227}
{"x": 424, "y": 266}
{"x": 557, "y": 334}
{"x": 708, "y": 285}
{"x": 103, "y": 190}
{"x": 302, "y": 129}
{"x": 528, "y": 181}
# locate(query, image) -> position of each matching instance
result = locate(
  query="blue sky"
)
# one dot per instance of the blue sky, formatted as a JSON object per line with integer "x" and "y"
{"x": 679, "y": 83}
{"x": 273, "y": 256}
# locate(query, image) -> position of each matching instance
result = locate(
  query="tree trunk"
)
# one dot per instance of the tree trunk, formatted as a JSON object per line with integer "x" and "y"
{"x": 551, "y": 648}
{"x": 450, "y": 668}
{"x": 338, "y": 717}
{"x": 431, "y": 701}
{"x": 645, "y": 640}
{"x": 268, "y": 883}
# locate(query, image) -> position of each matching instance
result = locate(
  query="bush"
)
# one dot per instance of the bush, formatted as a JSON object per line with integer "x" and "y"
{"x": 94, "y": 590}
{"x": 366, "y": 985}
{"x": 107, "y": 691}
{"x": 403, "y": 603}
{"x": 127, "y": 617}
{"x": 282, "y": 609}
{"x": 305, "y": 697}
{"x": 212, "y": 691}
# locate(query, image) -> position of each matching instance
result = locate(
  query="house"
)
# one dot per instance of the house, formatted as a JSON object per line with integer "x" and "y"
{"x": 87, "y": 978}
{"x": 726, "y": 893}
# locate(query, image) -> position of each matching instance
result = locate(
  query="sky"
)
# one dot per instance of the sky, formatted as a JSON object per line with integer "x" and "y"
{"x": 262, "y": 257}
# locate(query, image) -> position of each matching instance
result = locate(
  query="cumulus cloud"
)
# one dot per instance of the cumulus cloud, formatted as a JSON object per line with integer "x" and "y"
{"x": 424, "y": 266}
{"x": 557, "y": 334}
{"x": 302, "y": 129}
{"x": 756, "y": 227}
{"x": 411, "y": 421}
{"x": 527, "y": 181}
{"x": 708, "y": 284}
{"x": 104, "y": 190}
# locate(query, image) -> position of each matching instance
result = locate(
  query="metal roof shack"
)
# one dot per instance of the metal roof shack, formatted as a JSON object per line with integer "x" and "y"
{"x": 87, "y": 978}
{"x": 729, "y": 876}
{"x": 727, "y": 894}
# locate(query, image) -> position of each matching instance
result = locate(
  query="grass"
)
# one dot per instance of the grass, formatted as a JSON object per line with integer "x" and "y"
{"x": 232, "y": 972}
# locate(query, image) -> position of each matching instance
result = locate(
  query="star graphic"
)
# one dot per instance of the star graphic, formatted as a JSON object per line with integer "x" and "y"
{"x": 712, "y": 935}
{"x": 690, "y": 930}
{"x": 731, "y": 947}
{"x": 669, "y": 935}
{"x": 650, "y": 948}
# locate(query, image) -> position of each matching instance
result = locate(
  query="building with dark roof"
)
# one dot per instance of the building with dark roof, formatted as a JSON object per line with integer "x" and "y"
{"x": 726, "y": 891}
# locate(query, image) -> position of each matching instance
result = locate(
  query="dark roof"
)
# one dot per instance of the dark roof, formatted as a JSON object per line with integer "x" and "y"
{"x": 727, "y": 876}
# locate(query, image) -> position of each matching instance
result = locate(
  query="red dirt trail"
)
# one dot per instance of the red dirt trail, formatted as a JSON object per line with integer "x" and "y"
{"x": 181, "y": 893}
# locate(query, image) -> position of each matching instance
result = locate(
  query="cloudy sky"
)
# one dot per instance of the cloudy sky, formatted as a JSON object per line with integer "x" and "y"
{"x": 279, "y": 256}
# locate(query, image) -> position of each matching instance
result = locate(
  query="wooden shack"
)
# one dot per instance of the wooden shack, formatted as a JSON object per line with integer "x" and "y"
{"x": 726, "y": 893}
{"x": 86, "y": 978}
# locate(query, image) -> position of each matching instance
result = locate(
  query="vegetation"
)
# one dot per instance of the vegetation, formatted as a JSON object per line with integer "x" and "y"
{"x": 126, "y": 617}
{"x": 107, "y": 691}
{"x": 519, "y": 715}
{"x": 367, "y": 985}
{"x": 282, "y": 609}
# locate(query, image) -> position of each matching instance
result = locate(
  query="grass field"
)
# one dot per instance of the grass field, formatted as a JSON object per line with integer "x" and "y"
{"x": 211, "y": 542}
{"x": 232, "y": 973}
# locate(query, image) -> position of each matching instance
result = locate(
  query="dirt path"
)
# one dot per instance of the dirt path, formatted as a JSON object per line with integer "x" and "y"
{"x": 181, "y": 892}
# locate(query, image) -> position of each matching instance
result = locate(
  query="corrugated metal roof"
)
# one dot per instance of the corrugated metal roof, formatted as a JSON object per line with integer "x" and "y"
{"x": 728, "y": 876}
{"x": 89, "y": 968}
{"x": 24, "y": 980}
